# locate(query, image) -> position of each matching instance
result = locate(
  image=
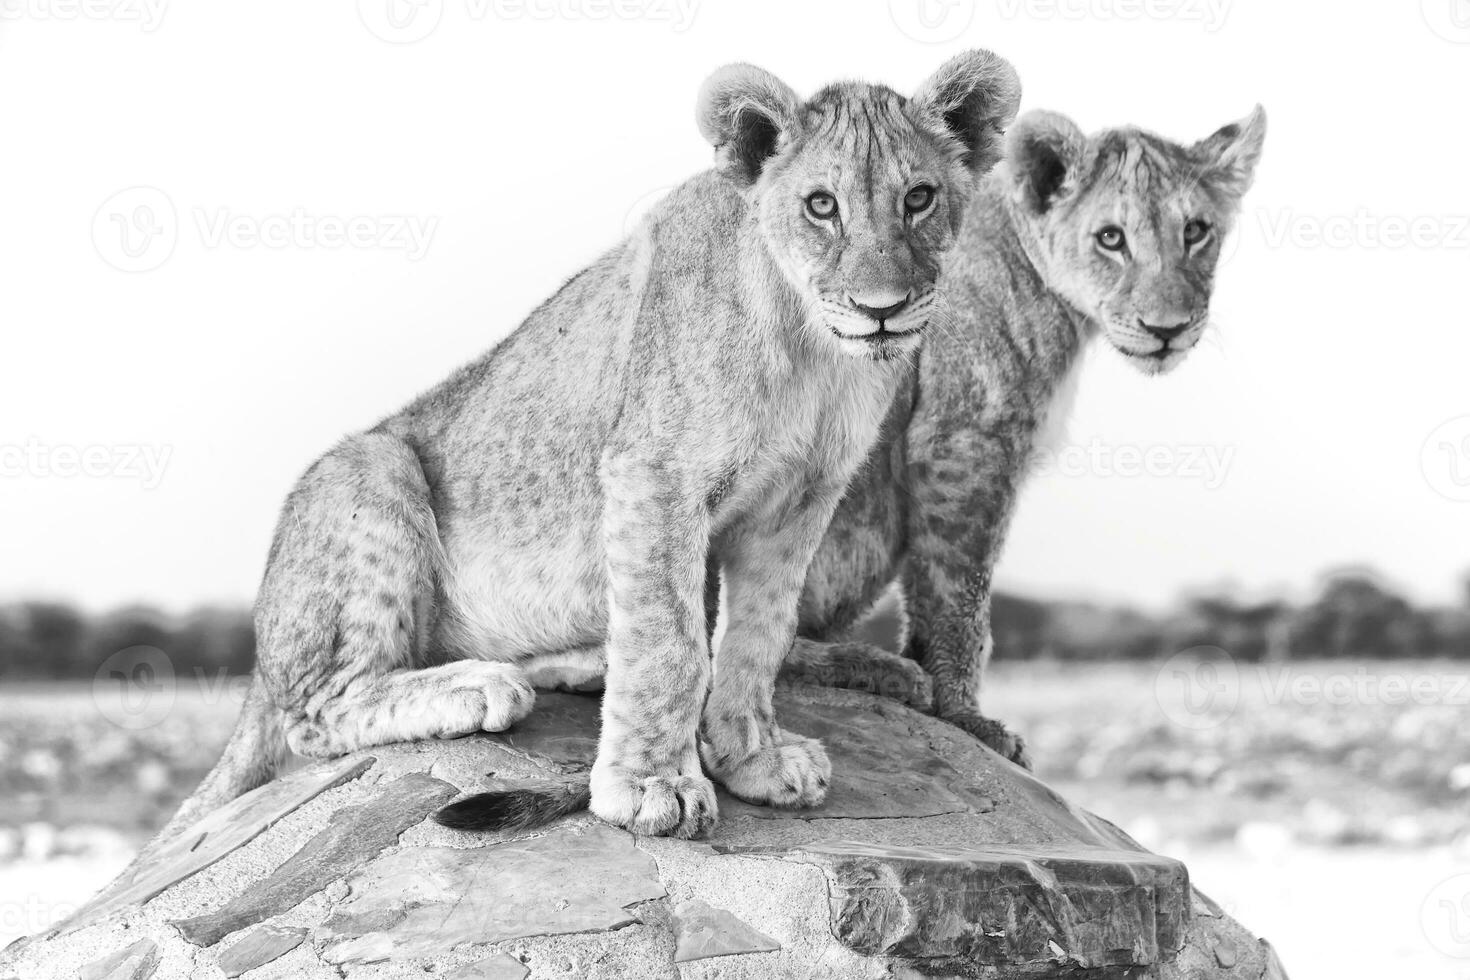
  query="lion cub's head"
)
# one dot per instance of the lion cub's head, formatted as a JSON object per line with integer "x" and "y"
{"x": 859, "y": 191}
{"x": 1127, "y": 226}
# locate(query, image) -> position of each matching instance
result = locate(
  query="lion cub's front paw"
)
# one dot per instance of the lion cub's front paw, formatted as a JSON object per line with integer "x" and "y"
{"x": 794, "y": 772}
{"x": 665, "y": 806}
{"x": 490, "y": 696}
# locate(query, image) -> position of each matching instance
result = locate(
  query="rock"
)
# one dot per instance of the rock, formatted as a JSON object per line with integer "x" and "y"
{"x": 871, "y": 777}
{"x": 352, "y": 837}
{"x": 932, "y": 857}
{"x": 420, "y": 901}
{"x": 1090, "y": 908}
{"x": 704, "y": 931}
{"x": 258, "y": 947}
{"x": 497, "y": 967}
{"x": 136, "y": 962}
{"x": 1273, "y": 969}
{"x": 1225, "y": 954}
{"x": 222, "y": 832}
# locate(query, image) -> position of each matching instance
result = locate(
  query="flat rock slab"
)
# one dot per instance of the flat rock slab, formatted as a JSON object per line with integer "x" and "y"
{"x": 225, "y": 830}
{"x": 497, "y": 967}
{"x": 874, "y": 773}
{"x": 561, "y": 731}
{"x": 704, "y": 931}
{"x": 352, "y": 836}
{"x": 1086, "y": 908}
{"x": 419, "y": 901}
{"x": 259, "y": 947}
{"x": 136, "y": 962}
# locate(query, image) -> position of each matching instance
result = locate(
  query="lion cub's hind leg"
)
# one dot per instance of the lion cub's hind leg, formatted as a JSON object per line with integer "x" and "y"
{"x": 579, "y": 671}
{"x": 857, "y": 666}
{"x": 343, "y": 613}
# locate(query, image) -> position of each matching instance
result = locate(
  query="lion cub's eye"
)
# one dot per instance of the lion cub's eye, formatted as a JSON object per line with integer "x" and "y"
{"x": 1195, "y": 232}
{"x": 821, "y": 205}
{"x": 918, "y": 199}
{"x": 1112, "y": 238}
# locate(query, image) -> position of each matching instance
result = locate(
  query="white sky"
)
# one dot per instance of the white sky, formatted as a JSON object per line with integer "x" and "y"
{"x": 523, "y": 133}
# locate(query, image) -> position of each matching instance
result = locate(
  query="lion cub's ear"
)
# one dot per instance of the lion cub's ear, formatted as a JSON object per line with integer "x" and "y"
{"x": 1229, "y": 157}
{"x": 975, "y": 96}
{"x": 1042, "y": 152}
{"x": 746, "y": 113}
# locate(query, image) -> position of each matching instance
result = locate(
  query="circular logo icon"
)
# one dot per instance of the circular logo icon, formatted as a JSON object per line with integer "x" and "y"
{"x": 400, "y": 21}
{"x": 135, "y": 688}
{"x": 932, "y": 21}
{"x": 1230, "y": 244}
{"x": 1445, "y": 459}
{"x": 1445, "y": 916}
{"x": 1198, "y": 688}
{"x": 1450, "y": 19}
{"x": 135, "y": 230}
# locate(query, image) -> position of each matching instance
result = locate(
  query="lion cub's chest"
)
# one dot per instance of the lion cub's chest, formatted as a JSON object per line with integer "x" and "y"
{"x": 809, "y": 435}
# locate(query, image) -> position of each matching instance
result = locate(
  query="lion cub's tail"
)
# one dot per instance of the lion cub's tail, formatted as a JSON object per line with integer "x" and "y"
{"x": 516, "y": 809}
{"x": 250, "y": 759}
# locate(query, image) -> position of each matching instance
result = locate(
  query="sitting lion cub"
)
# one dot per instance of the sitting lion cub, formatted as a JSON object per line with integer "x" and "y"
{"x": 1073, "y": 238}
{"x": 698, "y": 396}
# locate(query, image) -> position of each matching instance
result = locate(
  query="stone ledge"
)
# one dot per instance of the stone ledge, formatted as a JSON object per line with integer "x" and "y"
{"x": 932, "y": 857}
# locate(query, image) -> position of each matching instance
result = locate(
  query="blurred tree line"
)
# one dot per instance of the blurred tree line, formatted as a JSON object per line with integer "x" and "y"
{"x": 1353, "y": 615}
{"x": 56, "y": 641}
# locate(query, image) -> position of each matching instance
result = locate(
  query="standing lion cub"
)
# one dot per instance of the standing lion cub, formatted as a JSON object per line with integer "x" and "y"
{"x": 696, "y": 399}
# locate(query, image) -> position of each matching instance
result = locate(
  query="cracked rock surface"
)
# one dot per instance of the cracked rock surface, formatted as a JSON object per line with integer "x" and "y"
{"x": 931, "y": 857}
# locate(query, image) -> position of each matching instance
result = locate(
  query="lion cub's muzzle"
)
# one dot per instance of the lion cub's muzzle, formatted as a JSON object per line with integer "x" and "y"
{"x": 884, "y": 322}
{"x": 1156, "y": 344}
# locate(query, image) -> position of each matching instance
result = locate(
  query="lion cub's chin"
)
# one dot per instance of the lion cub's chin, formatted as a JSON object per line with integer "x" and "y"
{"x": 1153, "y": 364}
{"x": 881, "y": 345}
{"x": 864, "y": 338}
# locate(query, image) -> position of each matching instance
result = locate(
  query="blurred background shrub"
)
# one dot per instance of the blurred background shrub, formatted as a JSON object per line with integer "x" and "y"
{"x": 1353, "y": 615}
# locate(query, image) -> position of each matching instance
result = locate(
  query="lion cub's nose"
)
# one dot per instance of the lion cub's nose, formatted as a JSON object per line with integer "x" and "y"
{"x": 1165, "y": 331}
{"x": 879, "y": 305}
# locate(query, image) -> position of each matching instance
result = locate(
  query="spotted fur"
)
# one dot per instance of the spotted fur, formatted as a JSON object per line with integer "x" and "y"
{"x": 693, "y": 398}
{"x": 1025, "y": 290}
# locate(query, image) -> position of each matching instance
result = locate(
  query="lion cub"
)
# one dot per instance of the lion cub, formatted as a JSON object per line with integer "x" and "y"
{"x": 1073, "y": 239}
{"x": 697, "y": 398}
